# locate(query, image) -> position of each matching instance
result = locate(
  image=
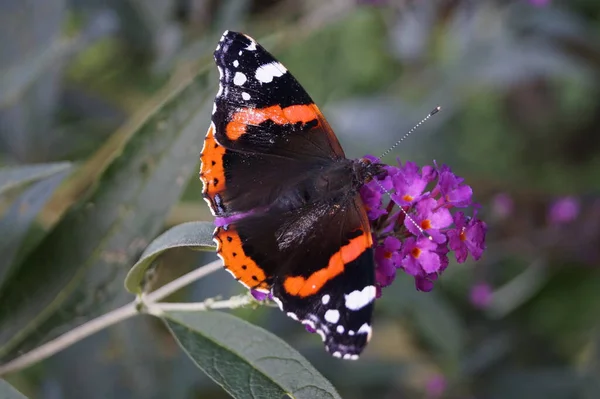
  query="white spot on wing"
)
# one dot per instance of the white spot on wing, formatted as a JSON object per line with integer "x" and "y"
{"x": 266, "y": 73}
{"x": 365, "y": 329}
{"x": 220, "y": 91}
{"x": 340, "y": 329}
{"x": 239, "y": 79}
{"x": 292, "y": 315}
{"x": 245, "y": 96}
{"x": 332, "y": 316}
{"x": 278, "y": 302}
{"x": 220, "y": 72}
{"x": 359, "y": 299}
{"x": 337, "y": 354}
{"x": 214, "y": 108}
{"x": 351, "y": 332}
{"x": 236, "y": 63}
{"x": 325, "y": 299}
{"x": 240, "y": 53}
{"x": 251, "y": 46}
{"x": 321, "y": 334}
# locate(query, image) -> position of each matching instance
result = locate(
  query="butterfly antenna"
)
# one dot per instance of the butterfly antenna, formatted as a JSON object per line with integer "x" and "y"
{"x": 433, "y": 112}
{"x": 426, "y": 234}
{"x": 397, "y": 143}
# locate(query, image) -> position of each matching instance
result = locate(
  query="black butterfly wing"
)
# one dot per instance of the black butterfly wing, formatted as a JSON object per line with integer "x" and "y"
{"x": 265, "y": 129}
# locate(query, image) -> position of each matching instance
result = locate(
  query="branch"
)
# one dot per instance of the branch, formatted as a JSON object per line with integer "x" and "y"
{"x": 69, "y": 338}
{"x": 108, "y": 319}
{"x": 238, "y": 301}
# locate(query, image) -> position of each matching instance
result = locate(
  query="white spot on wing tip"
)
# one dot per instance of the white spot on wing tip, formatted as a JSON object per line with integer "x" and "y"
{"x": 245, "y": 96}
{"x": 340, "y": 329}
{"x": 252, "y": 45}
{"x": 236, "y": 63}
{"x": 292, "y": 315}
{"x": 325, "y": 299}
{"x": 214, "y": 110}
{"x": 337, "y": 354}
{"x": 332, "y": 316}
{"x": 267, "y": 72}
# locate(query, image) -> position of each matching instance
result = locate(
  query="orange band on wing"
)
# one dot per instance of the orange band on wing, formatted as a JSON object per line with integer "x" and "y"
{"x": 303, "y": 287}
{"x": 212, "y": 173}
{"x": 243, "y": 268}
{"x": 281, "y": 116}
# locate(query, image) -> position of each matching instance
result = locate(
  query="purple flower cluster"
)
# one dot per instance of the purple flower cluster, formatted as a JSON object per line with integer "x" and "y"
{"x": 420, "y": 245}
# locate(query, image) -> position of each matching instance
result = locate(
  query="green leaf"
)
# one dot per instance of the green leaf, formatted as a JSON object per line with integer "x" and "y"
{"x": 13, "y": 177}
{"x": 193, "y": 235}
{"x": 7, "y": 391}
{"x": 247, "y": 361}
{"x": 76, "y": 270}
{"x": 15, "y": 224}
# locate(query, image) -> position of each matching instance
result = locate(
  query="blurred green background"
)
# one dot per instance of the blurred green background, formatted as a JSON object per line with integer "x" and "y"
{"x": 519, "y": 86}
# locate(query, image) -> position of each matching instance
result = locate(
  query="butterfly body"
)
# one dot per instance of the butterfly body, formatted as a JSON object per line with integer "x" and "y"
{"x": 290, "y": 220}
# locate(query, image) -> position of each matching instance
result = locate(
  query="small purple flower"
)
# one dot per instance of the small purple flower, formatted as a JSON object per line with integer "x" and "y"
{"x": 408, "y": 184}
{"x": 431, "y": 218}
{"x": 481, "y": 295}
{"x": 563, "y": 210}
{"x": 260, "y": 296}
{"x": 387, "y": 259}
{"x": 453, "y": 191}
{"x": 310, "y": 328}
{"x": 420, "y": 257}
{"x": 467, "y": 237}
{"x": 414, "y": 229}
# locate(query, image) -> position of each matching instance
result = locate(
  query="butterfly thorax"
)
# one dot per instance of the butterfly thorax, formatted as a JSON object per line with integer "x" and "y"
{"x": 332, "y": 183}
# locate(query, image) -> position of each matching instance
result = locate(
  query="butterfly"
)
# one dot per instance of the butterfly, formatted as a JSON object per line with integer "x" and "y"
{"x": 289, "y": 217}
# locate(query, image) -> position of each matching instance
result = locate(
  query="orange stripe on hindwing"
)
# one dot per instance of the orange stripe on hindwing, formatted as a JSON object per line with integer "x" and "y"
{"x": 303, "y": 287}
{"x": 281, "y": 116}
{"x": 243, "y": 268}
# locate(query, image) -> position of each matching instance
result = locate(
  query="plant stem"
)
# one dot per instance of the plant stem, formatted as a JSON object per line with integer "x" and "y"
{"x": 69, "y": 338}
{"x": 183, "y": 281}
{"x": 108, "y": 319}
{"x": 232, "y": 303}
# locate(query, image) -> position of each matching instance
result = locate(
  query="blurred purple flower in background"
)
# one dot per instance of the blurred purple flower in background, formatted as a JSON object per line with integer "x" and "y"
{"x": 502, "y": 205}
{"x": 563, "y": 210}
{"x": 481, "y": 295}
{"x": 420, "y": 245}
{"x": 539, "y": 3}
{"x": 435, "y": 386}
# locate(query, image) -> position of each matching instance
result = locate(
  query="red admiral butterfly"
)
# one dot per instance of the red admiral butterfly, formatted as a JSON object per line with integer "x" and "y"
{"x": 289, "y": 215}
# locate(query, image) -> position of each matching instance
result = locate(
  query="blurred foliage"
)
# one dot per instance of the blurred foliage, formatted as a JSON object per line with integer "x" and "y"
{"x": 519, "y": 86}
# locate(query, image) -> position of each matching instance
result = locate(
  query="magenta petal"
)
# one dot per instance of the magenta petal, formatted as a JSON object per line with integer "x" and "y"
{"x": 430, "y": 262}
